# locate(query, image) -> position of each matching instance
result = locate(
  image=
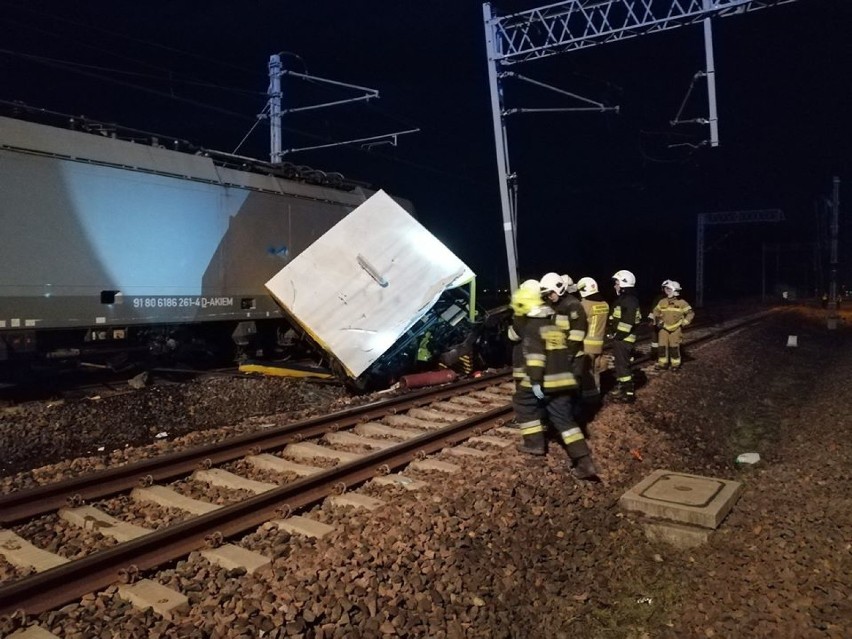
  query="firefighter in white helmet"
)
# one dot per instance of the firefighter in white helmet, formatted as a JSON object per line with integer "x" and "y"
{"x": 547, "y": 387}
{"x": 672, "y": 315}
{"x": 597, "y": 312}
{"x": 655, "y": 331}
{"x": 623, "y": 320}
{"x": 571, "y": 318}
{"x": 570, "y": 286}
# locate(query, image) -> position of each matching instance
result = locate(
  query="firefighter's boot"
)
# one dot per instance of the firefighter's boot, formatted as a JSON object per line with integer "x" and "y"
{"x": 662, "y": 358}
{"x": 624, "y": 393}
{"x": 584, "y": 468}
{"x": 533, "y": 444}
{"x": 629, "y": 392}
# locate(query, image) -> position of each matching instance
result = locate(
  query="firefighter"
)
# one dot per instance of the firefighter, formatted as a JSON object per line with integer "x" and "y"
{"x": 623, "y": 320}
{"x": 570, "y": 287}
{"x": 570, "y": 315}
{"x": 571, "y": 318}
{"x": 672, "y": 315}
{"x": 597, "y": 313}
{"x": 514, "y": 334}
{"x": 548, "y": 384}
{"x": 655, "y": 332}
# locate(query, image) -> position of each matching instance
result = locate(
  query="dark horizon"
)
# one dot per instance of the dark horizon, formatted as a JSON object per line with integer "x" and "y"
{"x": 597, "y": 192}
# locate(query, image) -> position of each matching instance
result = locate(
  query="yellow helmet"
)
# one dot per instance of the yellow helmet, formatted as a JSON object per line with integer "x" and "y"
{"x": 525, "y": 300}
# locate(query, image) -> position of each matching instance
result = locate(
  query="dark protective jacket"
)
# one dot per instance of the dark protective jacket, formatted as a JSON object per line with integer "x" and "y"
{"x": 570, "y": 316}
{"x": 548, "y": 356}
{"x": 597, "y": 314}
{"x": 625, "y": 316}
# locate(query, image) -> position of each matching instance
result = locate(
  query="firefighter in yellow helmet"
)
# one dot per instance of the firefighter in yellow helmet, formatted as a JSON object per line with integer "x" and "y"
{"x": 672, "y": 315}
{"x": 546, "y": 389}
{"x": 515, "y": 329}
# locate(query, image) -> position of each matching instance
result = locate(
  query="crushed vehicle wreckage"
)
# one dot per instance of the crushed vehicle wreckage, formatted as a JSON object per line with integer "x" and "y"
{"x": 382, "y": 297}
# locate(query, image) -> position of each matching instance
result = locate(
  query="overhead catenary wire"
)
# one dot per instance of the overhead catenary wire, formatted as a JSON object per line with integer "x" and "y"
{"x": 171, "y": 78}
{"x": 65, "y": 65}
{"x": 253, "y": 126}
{"x": 112, "y": 32}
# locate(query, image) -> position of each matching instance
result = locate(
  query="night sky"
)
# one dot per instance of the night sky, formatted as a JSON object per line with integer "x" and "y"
{"x": 597, "y": 192}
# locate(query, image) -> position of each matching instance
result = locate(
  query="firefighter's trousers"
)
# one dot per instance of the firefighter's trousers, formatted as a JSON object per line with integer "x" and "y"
{"x": 623, "y": 355}
{"x": 655, "y": 341}
{"x": 590, "y": 379}
{"x": 669, "y": 351}
{"x": 558, "y": 409}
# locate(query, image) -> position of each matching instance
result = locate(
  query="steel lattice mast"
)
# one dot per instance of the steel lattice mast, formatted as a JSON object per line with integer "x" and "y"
{"x": 576, "y": 24}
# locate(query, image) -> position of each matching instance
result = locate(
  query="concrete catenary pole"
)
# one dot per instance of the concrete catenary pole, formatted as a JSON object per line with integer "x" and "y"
{"x": 274, "y": 109}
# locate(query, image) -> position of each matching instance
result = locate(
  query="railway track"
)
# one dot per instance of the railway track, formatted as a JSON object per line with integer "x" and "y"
{"x": 402, "y": 430}
{"x": 70, "y": 580}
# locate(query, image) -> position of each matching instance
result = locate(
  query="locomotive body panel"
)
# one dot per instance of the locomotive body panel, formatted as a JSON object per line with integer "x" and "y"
{"x": 100, "y": 232}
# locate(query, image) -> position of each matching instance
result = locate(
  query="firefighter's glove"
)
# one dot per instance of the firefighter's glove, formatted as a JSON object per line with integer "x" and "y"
{"x": 536, "y": 390}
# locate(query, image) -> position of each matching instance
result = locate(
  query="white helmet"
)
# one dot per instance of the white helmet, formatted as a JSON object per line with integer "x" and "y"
{"x": 665, "y": 283}
{"x": 587, "y": 286}
{"x": 552, "y": 283}
{"x": 674, "y": 286}
{"x": 570, "y": 287}
{"x": 625, "y": 279}
{"x": 531, "y": 285}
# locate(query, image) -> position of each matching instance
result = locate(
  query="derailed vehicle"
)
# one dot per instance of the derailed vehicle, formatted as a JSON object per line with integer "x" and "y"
{"x": 383, "y": 297}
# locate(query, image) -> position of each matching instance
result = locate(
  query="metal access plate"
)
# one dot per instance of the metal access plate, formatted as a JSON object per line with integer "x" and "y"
{"x": 685, "y": 490}
{"x": 684, "y": 498}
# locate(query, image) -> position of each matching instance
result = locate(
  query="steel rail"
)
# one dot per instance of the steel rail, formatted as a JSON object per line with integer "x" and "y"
{"x": 65, "y": 583}
{"x": 24, "y": 504}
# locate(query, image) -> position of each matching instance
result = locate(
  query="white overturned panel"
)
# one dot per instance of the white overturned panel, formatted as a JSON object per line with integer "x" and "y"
{"x": 366, "y": 281}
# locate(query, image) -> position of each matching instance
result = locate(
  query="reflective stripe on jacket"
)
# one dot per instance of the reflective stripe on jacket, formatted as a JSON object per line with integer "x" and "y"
{"x": 625, "y": 316}
{"x": 570, "y": 316}
{"x": 673, "y": 313}
{"x": 597, "y": 312}
{"x": 548, "y": 355}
